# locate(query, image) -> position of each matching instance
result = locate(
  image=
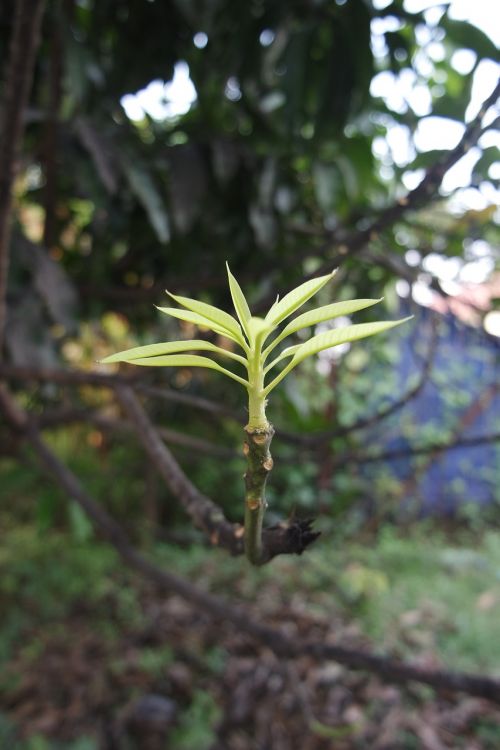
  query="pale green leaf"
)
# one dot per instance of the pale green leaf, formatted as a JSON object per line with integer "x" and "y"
{"x": 342, "y": 336}
{"x": 333, "y": 338}
{"x": 219, "y": 317}
{"x": 288, "y": 352}
{"x": 171, "y": 347}
{"x": 198, "y": 320}
{"x": 327, "y": 312}
{"x": 273, "y": 307}
{"x": 258, "y": 328}
{"x": 239, "y": 301}
{"x": 296, "y": 298}
{"x": 186, "y": 360}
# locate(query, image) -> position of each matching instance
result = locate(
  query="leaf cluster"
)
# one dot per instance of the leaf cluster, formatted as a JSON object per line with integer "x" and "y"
{"x": 251, "y": 333}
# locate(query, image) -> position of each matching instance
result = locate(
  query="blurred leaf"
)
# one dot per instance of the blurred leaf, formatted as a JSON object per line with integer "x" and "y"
{"x": 467, "y": 36}
{"x": 99, "y": 150}
{"x": 81, "y": 526}
{"x": 143, "y": 187}
{"x": 399, "y": 47}
{"x": 46, "y": 510}
{"x": 488, "y": 158}
{"x": 326, "y": 185}
{"x": 187, "y": 185}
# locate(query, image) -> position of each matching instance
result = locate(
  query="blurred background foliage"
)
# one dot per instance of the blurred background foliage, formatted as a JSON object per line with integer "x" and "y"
{"x": 164, "y": 138}
{"x": 278, "y": 139}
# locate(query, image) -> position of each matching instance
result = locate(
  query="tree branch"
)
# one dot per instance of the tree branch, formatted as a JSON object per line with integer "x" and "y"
{"x": 205, "y": 514}
{"x": 273, "y": 638}
{"x": 291, "y": 537}
{"x": 23, "y": 46}
{"x": 59, "y": 376}
{"x": 54, "y": 418}
{"x": 418, "y": 450}
{"x": 351, "y": 243}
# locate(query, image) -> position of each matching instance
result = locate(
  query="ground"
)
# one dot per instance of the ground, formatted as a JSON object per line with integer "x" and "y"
{"x": 93, "y": 657}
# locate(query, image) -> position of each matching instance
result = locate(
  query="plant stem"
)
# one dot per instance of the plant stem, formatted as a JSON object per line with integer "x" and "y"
{"x": 258, "y": 436}
{"x": 259, "y": 464}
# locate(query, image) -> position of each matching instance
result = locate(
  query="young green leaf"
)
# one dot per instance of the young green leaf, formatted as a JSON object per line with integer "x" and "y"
{"x": 239, "y": 301}
{"x": 219, "y": 317}
{"x": 342, "y": 336}
{"x": 171, "y": 347}
{"x": 332, "y": 338}
{"x": 296, "y": 298}
{"x": 258, "y": 329}
{"x": 273, "y": 306}
{"x": 186, "y": 360}
{"x": 288, "y": 352}
{"x": 199, "y": 320}
{"x": 327, "y": 312}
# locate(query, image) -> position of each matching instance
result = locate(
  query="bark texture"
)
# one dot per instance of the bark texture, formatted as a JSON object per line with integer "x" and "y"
{"x": 259, "y": 465}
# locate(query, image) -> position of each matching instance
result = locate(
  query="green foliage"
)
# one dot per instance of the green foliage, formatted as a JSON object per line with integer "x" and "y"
{"x": 260, "y": 176}
{"x": 34, "y": 590}
{"x": 409, "y": 591}
{"x": 285, "y": 135}
{"x": 10, "y": 740}
{"x": 414, "y": 592}
{"x": 197, "y": 724}
{"x": 251, "y": 333}
{"x": 437, "y": 595}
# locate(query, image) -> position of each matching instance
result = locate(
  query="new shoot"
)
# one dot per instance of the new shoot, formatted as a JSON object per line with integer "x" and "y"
{"x": 260, "y": 363}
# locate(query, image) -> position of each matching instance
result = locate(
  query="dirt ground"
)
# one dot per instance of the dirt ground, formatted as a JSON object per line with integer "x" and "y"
{"x": 179, "y": 680}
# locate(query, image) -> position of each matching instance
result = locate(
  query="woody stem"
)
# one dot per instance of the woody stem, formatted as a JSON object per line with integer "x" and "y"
{"x": 259, "y": 465}
{"x": 258, "y": 436}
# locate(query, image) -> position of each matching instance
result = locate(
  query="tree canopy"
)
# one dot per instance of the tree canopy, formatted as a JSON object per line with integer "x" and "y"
{"x": 299, "y": 152}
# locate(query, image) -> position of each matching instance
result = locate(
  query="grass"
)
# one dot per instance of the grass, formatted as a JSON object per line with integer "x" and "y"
{"x": 408, "y": 592}
{"x": 412, "y": 594}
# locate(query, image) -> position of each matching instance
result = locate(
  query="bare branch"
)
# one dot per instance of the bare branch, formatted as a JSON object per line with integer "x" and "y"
{"x": 205, "y": 514}
{"x": 467, "y": 418}
{"x": 421, "y": 450}
{"x": 291, "y": 537}
{"x": 59, "y": 376}
{"x": 36, "y": 374}
{"x": 349, "y": 243}
{"x": 54, "y": 418}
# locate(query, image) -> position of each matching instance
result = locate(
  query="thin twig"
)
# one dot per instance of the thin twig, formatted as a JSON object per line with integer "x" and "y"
{"x": 350, "y": 243}
{"x": 55, "y": 418}
{"x": 59, "y": 376}
{"x": 420, "y": 450}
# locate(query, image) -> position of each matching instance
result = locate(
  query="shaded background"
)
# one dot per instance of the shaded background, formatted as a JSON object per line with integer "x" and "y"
{"x": 162, "y": 139}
